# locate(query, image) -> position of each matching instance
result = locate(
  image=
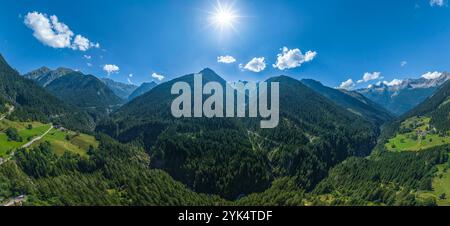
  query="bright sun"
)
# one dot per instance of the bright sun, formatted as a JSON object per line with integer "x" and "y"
{"x": 223, "y": 17}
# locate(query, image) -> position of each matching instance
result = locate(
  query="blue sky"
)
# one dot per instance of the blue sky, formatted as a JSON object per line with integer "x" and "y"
{"x": 346, "y": 38}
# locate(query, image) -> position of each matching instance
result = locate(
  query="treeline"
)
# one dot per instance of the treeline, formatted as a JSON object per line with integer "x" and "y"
{"x": 384, "y": 179}
{"x": 115, "y": 174}
{"x": 436, "y": 106}
{"x": 34, "y": 103}
{"x": 233, "y": 157}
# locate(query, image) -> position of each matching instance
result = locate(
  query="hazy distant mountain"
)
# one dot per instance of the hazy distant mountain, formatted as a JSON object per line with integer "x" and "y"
{"x": 144, "y": 88}
{"x": 44, "y": 76}
{"x": 403, "y": 97}
{"x": 32, "y": 102}
{"x": 234, "y": 156}
{"x": 352, "y": 101}
{"x": 86, "y": 92}
{"x": 122, "y": 90}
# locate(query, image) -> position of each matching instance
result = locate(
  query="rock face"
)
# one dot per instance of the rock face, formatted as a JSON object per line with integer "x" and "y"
{"x": 44, "y": 76}
{"x": 403, "y": 97}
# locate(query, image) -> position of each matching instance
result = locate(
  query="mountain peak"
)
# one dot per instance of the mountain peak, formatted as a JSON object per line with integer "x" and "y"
{"x": 208, "y": 71}
{"x": 142, "y": 89}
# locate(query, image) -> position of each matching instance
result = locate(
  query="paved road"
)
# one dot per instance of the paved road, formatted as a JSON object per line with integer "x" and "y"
{"x": 26, "y": 145}
{"x": 11, "y": 109}
{"x": 37, "y": 138}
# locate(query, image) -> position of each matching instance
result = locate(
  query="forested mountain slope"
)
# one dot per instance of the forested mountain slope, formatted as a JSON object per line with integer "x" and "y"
{"x": 33, "y": 102}
{"x": 142, "y": 89}
{"x": 236, "y": 157}
{"x": 44, "y": 76}
{"x": 86, "y": 92}
{"x": 352, "y": 101}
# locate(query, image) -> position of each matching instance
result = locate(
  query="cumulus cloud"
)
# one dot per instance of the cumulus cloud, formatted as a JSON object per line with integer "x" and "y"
{"x": 111, "y": 68}
{"x": 394, "y": 82}
{"x": 89, "y": 64}
{"x": 432, "y": 75}
{"x": 349, "y": 84}
{"x": 403, "y": 63}
{"x": 87, "y": 57}
{"x": 257, "y": 64}
{"x": 81, "y": 43}
{"x": 438, "y": 3}
{"x": 130, "y": 75}
{"x": 226, "y": 59}
{"x": 158, "y": 77}
{"x": 51, "y": 32}
{"x": 370, "y": 77}
{"x": 293, "y": 58}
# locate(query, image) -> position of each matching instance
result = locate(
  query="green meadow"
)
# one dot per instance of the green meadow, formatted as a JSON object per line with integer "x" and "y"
{"x": 441, "y": 187}
{"x": 69, "y": 141}
{"x": 27, "y": 134}
{"x": 61, "y": 141}
{"x": 416, "y": 134}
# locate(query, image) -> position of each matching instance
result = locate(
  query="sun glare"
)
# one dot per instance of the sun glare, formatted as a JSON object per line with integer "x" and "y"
{"x": 223, "y": 17}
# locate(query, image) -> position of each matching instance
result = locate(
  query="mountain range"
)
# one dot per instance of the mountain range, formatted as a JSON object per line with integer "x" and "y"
{"x": 353, "y": 102}
{"x": 332, "y": 146}
{"x": 142, "y": 89}
{"x": 33, "y": 102}
{"x": 404, "y": 96}
{"x": 235, "y": 156}
{"x": 122, "y": 90}
{"x": 84, "y": 91}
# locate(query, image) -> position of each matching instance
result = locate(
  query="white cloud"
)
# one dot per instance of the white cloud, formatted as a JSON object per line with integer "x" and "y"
{"x": 370, "y": 76}
{"x": 349, "y": 84}
{"x": 403, "y": 63}
{"x": 87, "y": 57}
{"x": 81, "y": 43}
{"x": 432, "y": 75}
{"x": 89, "y": 64}
{"x": 129, "y": 81}
{"x": 158, "y": 77}
{"x": 394, "y": 82}
{"x": 438, "y": 3}
{"x": 130, "y": 75}
{"x": 257, "y": 64}
{"x": 293, "y": 58}
{"x": 51, "y": 32}
{"x": 111, "y": 68}
{"x": 226, "y": 59}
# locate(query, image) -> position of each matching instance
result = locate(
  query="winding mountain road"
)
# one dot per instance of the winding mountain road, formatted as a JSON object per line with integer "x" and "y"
{"x": 27, "y": 145}
{"x": 10, "y": 110}
{"x": 37, "y": 138}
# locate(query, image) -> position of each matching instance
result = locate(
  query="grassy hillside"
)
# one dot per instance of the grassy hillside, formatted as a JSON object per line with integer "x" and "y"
{"x": 26, "y": 132}
{"x": 69, "y": 141}
{"x": 416, "y": 134}
{"x": 440, "y": 186}
{"x": 60, "y": 140}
